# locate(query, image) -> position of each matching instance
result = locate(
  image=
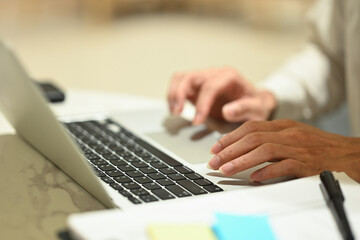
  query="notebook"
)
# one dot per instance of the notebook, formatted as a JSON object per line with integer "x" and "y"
{"x": 117, "y": 166}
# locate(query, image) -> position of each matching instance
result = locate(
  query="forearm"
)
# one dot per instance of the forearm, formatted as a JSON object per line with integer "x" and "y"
{"x": 308, "y": 85}
{"x": 312, "y": 82}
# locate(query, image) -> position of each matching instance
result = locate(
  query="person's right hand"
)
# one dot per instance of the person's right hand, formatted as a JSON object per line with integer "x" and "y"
{"x": 219, "y": 93}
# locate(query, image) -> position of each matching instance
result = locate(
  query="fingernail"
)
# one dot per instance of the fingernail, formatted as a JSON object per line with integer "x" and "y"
{"x": 227, "y": 168}
{"x": 256, "y": 176}
{"x": 214, "y": 163}
{"x": 216, "y": 148}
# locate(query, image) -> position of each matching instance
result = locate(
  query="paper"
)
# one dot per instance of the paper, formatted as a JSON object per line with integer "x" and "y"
{"x": 180, "y": 232}
{"x": 236, "y": 227}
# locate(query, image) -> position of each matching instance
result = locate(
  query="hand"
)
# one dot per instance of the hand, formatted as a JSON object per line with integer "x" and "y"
{"x": 296, "y": 149}
{"x": 219, "y": 93}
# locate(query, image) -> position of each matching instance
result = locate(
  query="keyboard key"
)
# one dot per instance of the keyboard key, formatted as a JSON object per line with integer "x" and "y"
{"x": 134, "y": 174}
{"x": 165, "y": 182}
{"x": 116, "y": 186}
{"x": 151, "y": 186}
{"x": 156, "y": 176}
{"x": 116, "y": 148}
{"x": 162, "y": 194}
{"x": 203, "y": 182}
{"x": 126, "y": 168}
{"x": 122, "y": 179}
{"x": 194, "y": 176}
{"x": 167, "y": 171}
{"x": 192, "y": 187}
{"x": 165, "y": 158}
{"x": 114, "y": 173}
{"x": 176, "y": 177}
{"x": 148, "y": 198}
{"x": 134, "y": 200}
{"x": 213, "y": 188}
{"x": 125, "y": 193}
{"x": 103, "y": 152}
{"x": 143, "y": 154}
{"x": 91, "y": 156}
{"x": 107, "y": 167}
{"x": 148, "y": 170}
{"x": 178, "y": 191}
{"x": 98, "y": 161}
{"x": 111, "y": 157}
{"x": 143, "y": 180}
{"x": 170, "y": 161}
{"x": 118, "y": 162}
{"x": 184, "y": 169}
{"x": 150, "y": 159}
{"x": 131, "y": 185}
{"x": 158, "y": 165}
{"x": 125, "y": 154}
{"x": 107, "y": 179}
{"x": 139, "y": 164}
{"x": 131, "y": 158}
{"x": 139, "y": 191}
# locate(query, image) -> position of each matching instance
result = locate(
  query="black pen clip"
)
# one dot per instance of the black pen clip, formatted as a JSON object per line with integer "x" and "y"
{"x": 328, "y": 196}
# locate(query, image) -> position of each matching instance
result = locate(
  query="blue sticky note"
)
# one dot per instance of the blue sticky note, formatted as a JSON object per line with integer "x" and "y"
{"x": 231, "y": 227}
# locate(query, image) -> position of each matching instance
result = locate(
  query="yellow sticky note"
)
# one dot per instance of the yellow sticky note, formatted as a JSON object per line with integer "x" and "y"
{"x": 180, "y": 232}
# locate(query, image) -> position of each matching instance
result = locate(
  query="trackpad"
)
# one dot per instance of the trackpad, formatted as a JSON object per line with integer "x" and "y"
{"x": 191, "y": 143}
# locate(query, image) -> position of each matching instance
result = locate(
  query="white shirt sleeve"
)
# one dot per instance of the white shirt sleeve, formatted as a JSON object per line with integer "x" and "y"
{"x": 312, "y": 82}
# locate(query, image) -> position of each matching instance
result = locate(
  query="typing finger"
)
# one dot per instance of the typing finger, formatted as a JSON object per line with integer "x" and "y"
{"x": 243, "y": 146}
{"x": 267, "y": 152}
{"x": 247, "y": 128}
{"x": 286, "y": 167}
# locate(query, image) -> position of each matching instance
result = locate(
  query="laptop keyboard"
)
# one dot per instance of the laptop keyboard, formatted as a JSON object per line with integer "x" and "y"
{"x": 134, "y": 168}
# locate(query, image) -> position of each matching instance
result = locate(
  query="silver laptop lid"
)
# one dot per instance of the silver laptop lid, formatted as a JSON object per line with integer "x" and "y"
{"x": 26, "y": 109}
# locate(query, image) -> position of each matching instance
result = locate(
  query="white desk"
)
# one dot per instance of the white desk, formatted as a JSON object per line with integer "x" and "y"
{"x": 296, "y": 210}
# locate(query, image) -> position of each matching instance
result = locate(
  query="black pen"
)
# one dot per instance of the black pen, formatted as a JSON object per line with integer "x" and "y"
{"x": 335, "y": 201}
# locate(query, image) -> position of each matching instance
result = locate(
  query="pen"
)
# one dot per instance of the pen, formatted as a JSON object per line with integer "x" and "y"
{"x": 335, "y": 201}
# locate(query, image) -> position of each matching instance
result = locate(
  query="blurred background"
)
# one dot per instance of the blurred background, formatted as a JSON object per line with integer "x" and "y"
{"x": 135, "y": 46}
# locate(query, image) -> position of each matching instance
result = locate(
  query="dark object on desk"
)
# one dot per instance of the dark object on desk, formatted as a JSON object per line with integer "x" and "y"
{"x": 52, "y": 92}
{"x": 64, "y": 235}
{"x": 335, "y": 201}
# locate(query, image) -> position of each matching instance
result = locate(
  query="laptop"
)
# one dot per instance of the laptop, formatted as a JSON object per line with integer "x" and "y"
{"x": 118, "y": 166}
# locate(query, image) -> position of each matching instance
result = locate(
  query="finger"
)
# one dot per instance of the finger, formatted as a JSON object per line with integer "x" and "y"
{"x": 185, "y": 87}
{"x": 265, "y": 153}
{"x": 286, "y": 167}
{"x": 243, "y": 146}
{"x": 244, "y": 109}
{"x": 206, "y": 99}
{"x": 250, "y": 127}
{"x": 172, "y": 91}
{"x": 208, "y": 94}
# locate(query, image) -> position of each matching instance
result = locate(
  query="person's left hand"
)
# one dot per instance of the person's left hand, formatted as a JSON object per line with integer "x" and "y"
{"x": 296, "y": 149}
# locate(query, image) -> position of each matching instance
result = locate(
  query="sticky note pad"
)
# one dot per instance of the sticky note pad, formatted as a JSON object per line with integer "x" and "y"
{"x": 180, "y": 232}
{"x": 231, "y": 227}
